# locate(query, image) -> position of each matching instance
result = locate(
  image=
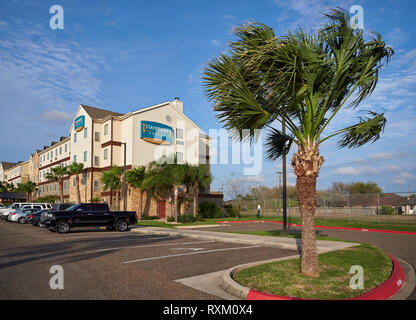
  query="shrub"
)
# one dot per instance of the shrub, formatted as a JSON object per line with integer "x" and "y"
{"x": 387, "y": 210}
{"x": 231, "y": 210}
{"x": 209, "y": 210}
{"x": 186, "y": 219}
{"x": 170, "y": 219}
{"x": 146, "y": 217}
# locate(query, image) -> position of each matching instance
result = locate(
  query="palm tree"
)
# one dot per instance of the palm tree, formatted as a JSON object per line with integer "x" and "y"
{"x": 135, "y": 178}
{"x": 28, "y": 188}
{"x": 195, "y": 178}
{"x": 58, "y": 174}
{"x": 112, "y": 180}
{"x": 76, "y": 169}
{"x": 302, "y": 79}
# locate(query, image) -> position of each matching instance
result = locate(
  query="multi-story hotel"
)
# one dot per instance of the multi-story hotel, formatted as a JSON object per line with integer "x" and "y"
{"x": 100, "y": 138}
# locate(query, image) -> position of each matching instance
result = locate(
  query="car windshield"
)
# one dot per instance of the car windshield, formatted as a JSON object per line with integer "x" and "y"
{"x": 73, "y": 207}
{"x": 14, "y": 206}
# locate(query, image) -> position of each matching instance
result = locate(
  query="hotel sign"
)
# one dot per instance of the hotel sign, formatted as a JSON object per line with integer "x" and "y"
{"x": 79, "y": 123}
{"x": 155, "y": 132}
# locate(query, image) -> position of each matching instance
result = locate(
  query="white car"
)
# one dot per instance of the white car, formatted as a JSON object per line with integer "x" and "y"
{"x": 22, "y": 206}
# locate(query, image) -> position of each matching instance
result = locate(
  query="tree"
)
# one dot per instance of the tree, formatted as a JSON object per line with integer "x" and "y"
{"x": 112, "y": 180}
{"x": 303, "y": 79}
{"x": 28, "y": 188}
{"x": 58, "y": 174}
{"x": 237, "y": 188}
{"x": 135, "y": 178}
{"x": 196, "y": 178}
{"x": 76, "y": 169}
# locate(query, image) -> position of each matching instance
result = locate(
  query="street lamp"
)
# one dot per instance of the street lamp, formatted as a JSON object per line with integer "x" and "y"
{"x": 124, "y": 179}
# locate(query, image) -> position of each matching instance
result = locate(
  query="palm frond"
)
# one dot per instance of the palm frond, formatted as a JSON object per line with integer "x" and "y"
{"x": 367, "y": 130}
{"x": 277, "y": 144}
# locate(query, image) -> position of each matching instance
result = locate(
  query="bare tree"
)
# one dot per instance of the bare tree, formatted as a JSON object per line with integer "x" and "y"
{"x": 237, "y": 188}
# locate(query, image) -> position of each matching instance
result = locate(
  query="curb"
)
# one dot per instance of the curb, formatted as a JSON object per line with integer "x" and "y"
{"x": 397, "y": 287}
{"x": 326, "y": 227}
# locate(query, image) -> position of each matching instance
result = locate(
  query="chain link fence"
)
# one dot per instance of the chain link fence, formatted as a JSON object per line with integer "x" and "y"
{"x": 376, "y": 206}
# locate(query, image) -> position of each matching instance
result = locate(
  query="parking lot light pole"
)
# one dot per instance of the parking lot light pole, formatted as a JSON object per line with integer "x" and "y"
{"x": 284, "y": 183}
{"x": 124, "y": 179}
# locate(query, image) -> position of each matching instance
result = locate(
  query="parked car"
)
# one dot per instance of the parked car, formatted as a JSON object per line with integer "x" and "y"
{"x": 24, "y": 205}
{"x": 34, "y": 218}
{"x": 20, "y": 215}
{"x": 87, "y": 215}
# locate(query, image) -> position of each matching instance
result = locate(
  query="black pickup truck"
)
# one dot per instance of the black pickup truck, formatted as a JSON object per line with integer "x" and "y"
{"x": 88, "y": 215}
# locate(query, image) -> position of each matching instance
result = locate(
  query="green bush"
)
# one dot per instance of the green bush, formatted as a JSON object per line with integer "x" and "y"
{"x": 387, "y": 210}
{"x": 186, "y": 219}
{"x": 231, "y": 210}
{"x": 170, "y": 219}
{"x": 209, "y": 210}
{"x": 146, "y": 217}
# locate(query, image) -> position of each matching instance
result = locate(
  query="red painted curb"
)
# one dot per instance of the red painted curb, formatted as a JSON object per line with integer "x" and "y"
{"x": 328, "y": 227}
{"x": 384, "y": 291}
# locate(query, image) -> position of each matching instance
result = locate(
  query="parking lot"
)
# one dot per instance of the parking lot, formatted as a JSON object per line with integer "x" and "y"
{"x": 99, "y": 264}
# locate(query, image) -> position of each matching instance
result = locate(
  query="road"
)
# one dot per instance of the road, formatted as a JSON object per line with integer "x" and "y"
{"x": 99, "y": 264}
{"x": 399, "y": 245}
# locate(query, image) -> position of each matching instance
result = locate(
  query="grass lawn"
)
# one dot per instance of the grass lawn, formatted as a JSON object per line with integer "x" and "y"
{"x": 285, "y": 279}
{"x": 360, "y": 224}
{"x": 277, "y": 233}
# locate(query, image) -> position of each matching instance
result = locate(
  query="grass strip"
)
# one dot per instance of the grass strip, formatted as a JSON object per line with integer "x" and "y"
{"x": 285, "y": 279}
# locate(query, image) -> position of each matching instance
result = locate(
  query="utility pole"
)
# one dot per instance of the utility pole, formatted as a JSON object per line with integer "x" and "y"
{"x": 284, "y": 182}
{"x": 280, "y": 189}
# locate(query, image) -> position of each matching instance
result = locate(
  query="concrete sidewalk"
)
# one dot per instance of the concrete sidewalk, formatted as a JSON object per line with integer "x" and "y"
{"x": 280, "y": 242}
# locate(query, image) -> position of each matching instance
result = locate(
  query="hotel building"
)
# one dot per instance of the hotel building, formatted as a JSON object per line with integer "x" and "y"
{"x": 97, "y": 138}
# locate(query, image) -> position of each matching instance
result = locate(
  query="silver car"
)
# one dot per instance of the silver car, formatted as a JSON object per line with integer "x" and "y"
{"x": 20, "y": 216}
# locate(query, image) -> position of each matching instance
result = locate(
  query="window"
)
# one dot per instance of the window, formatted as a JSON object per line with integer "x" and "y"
{"x": 48, "y": 156}
{"x": 106, "y": 129}
{"x": 84, "y": 179}
{"x": 96, "y": 185}
{"x": 55, "y": 187}
{"x": 85, "y": 133}
{"x": 179, "y": 157}
{"x": 64, "y": 185}
{"x": 105, "y": 154}
{"x": 60, "y": 150}
{"x": 66, "y": 147}
{"x": 75, "y": 137}
{"x": 96, "y": 136}
{"x": 75, "y": 158}
{"x": 56, "y": 152}
{"x": 74, "y": 181}
{"x": 96, "y": 161}
{"x": 85, "y": 156}
{"x": 43, "y": 188}
{"x": 179, "y": 134}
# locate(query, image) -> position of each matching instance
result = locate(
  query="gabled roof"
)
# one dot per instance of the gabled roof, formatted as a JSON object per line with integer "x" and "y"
{"x": 97, "y": 113}
{"x": 7, "y": 165}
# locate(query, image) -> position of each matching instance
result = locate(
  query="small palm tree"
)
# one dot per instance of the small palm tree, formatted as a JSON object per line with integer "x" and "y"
{"x": 58, "y": 174}
{"x": 135, "y": 178}
{"x": 76, "y": 169}
{"x": 303, "y": 80}
{"x": 29, "y": 187}
{"x": 111, "y": 180}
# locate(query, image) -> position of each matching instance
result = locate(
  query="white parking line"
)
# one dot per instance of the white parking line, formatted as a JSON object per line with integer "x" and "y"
{"x": 111, "y": 240}
{"x": 149, "y": 245}
{"x": 189, "y": 253}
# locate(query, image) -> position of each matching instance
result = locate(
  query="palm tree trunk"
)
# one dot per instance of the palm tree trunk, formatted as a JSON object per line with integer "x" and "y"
{"x": 306, "y": 164}
{"x": 175, "y": 202}
{"x": 141, "y": 203}
{"x": 195, "y": 200}
{"x": 61, "y": 190}
{"x": 117, "y": 200}
{"x": 78, "y": 190}
{"x": 306, "y": 188}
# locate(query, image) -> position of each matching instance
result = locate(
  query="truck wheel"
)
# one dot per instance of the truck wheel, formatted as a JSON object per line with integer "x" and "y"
{"x": 122, "y": 225}
{"x": 62, "y": 227}
{"x": 21, "y": 220}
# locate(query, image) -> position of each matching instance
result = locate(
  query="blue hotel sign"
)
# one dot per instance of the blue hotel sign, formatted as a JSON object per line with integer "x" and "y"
{"x": 156, "y": 132}
{"x": 79, "y": 123}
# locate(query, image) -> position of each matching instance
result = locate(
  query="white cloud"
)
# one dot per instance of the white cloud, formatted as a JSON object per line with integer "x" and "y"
{"x": 57, "y": 116}
{"x": 256, "y": 179}
{"x": 216, "y": 42}
{"x": 347, "y": 171}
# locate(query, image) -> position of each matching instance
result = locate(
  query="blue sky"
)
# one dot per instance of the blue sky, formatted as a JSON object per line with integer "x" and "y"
{"x": 127, "y": 55}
